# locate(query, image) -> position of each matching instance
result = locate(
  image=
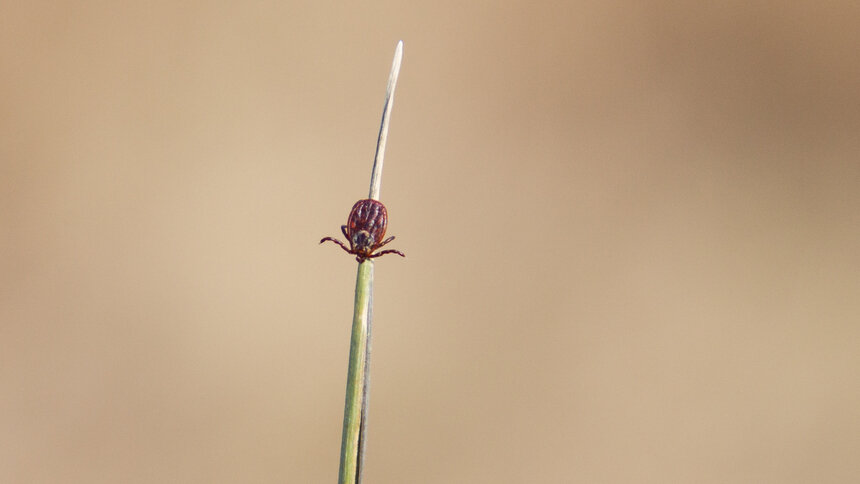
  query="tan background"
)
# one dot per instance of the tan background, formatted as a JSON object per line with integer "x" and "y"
{"x": 632, "y": 233}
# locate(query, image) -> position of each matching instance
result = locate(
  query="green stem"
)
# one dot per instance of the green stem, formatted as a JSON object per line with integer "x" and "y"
{"x": 358, "y": 376}
{"x": 356, "y": 383}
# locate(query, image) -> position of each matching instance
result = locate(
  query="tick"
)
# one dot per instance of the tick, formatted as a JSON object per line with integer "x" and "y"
{"x": 364, "y": 231}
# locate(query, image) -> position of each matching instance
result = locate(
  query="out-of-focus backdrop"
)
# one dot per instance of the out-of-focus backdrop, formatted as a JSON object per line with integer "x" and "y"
{"x": 632, "y": 233}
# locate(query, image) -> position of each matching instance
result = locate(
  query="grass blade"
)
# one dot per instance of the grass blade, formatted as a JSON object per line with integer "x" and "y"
{"x": 358, "y": 376}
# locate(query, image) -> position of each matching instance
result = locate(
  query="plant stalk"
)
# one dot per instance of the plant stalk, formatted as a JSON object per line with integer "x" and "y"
{"x": 358, "y": 376}
{"x": 354, "y": 414}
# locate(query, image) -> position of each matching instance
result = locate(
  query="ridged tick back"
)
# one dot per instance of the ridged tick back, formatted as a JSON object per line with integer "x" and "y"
{"x": 365, "y": 230}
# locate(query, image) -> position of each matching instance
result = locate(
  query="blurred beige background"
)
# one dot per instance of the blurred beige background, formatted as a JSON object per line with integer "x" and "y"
{"x": 632, "y": 233}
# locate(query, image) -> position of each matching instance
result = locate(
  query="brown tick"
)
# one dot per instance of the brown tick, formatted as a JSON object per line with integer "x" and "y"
{"x": 364, "y": 230}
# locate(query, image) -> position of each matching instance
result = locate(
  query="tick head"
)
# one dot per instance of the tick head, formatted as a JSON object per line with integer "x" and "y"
{"x": 362, "y": 241}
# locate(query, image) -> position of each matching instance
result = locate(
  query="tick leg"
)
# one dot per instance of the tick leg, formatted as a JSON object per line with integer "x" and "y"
{"x": 343, "y": 229}
{"x": 401, "y": 254}
{"x": 342, "y": 246}
{"x": 385, "y": 241}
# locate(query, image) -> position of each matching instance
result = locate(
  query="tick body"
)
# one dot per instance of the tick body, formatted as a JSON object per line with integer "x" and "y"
{"x": 365, "y": 230}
